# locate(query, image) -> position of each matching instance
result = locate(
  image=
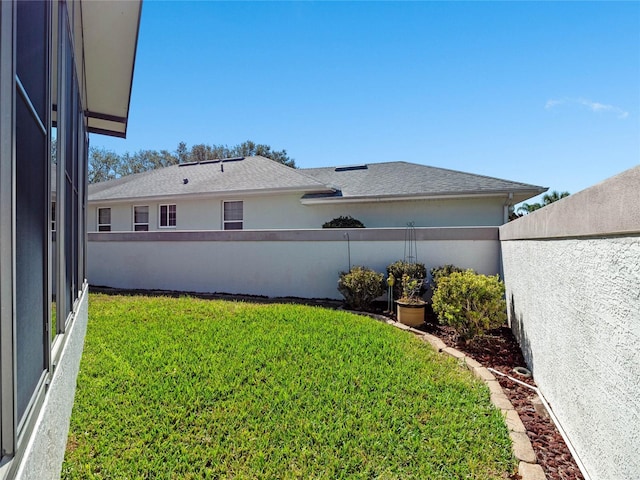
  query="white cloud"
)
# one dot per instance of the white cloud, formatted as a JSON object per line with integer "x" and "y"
{"x": 591, "y": 105}
{"x": 553, "y": 103}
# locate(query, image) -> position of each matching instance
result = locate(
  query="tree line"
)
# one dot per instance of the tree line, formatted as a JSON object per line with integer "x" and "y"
{"x": 106, "y": 164}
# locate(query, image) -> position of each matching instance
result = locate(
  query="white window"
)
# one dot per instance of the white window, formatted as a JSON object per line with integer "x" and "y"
{"x": 232, "y": 215}
{"x": 141, "y": 218}
{"x": 167, "y": 216}
{"x": 104, "y": 219}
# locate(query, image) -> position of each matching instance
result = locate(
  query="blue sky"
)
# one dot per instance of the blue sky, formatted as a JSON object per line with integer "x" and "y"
{"x": 540, "y": 92}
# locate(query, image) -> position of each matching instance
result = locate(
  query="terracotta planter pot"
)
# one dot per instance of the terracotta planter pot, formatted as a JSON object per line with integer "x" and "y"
{"x": 411, "y": 314}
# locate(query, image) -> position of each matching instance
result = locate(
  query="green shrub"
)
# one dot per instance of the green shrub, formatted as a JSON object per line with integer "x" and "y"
{"x": 344, "y": 222}
{"x": 360, "y": 287}
{"x": 415, "y": 271}
{"x": 470, "y": 303}
{"x": 444, "y": 271}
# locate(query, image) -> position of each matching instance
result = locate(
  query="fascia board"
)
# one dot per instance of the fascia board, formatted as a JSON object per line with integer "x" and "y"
{"x": 404, "y": 198}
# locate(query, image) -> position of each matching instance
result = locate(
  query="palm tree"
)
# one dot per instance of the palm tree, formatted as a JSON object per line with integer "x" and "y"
{"x": 547, "y": 199}
{"x": 553, "y": 197}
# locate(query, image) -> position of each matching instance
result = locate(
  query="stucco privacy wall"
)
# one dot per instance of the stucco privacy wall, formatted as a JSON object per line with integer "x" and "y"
{"x": 301, "y": 263}
{"x": 572, "y": 272}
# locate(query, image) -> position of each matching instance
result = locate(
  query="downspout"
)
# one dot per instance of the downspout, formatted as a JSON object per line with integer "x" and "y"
{"x": 508, "y": 203}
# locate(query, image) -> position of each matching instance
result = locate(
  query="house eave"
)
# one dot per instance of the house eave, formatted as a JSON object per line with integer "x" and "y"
{"x": 436, "y": 196}
{"x": 109, "y": 43}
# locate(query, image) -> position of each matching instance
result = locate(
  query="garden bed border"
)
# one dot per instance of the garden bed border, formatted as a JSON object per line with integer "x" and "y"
{"x": 528, "y": 468}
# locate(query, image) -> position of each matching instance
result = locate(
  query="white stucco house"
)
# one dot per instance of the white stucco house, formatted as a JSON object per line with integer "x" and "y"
{"x": 255, "y": 193}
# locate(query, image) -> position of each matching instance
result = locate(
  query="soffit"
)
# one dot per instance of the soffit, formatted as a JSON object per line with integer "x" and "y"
{"x": 109, "y": 39}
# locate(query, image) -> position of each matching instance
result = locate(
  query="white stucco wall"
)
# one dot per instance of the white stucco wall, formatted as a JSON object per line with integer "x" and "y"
{"x": 576, "y": 307}
{"x": 302, "y": 263}
{"x": 572, "y": 274}
{"x": 284, "y": 211}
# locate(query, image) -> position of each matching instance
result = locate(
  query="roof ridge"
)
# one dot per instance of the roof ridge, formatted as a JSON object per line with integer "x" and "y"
{"x": 292, "y": 169}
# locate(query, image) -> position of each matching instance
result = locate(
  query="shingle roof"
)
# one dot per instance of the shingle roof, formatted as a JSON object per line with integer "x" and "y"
{"x": 258, "y": 174}
{"x": 409, "y": 179}
{"x": 211, "y": 177}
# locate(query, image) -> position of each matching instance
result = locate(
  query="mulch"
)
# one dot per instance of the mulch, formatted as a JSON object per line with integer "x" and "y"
{"x": 500, "y": 351}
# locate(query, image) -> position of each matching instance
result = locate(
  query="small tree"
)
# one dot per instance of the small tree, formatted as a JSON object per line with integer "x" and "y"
{"x": 415, "y": 271}
{"x": 470, "y": 303}
{"x": 411, "y": 290}
{"x": 360, "y": 287}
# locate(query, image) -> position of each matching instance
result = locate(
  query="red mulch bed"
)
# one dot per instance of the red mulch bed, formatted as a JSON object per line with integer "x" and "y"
{"x": 500, "y": 351}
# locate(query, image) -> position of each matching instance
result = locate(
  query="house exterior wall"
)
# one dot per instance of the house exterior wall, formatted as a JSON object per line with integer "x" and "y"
{"x": 47, "y": 70}
{"x": 44, "y": 453}
{"x": 424, "y": 213}
{"x": 572, "y": 273}
{"x": 285, "y": 211}
{"x": 300, "y": 263}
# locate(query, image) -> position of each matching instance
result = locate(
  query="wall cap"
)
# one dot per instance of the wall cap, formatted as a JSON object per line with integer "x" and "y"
{"x": 609, "y": 208}
{"x": 302, "y": 235}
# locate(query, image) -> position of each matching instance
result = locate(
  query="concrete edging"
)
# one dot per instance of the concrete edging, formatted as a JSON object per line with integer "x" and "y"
{"x": 528, "y": 468}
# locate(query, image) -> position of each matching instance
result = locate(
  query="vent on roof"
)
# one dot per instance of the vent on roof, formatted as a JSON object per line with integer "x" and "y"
{"x": 348, "y": 168}
{"x": 212, "y": 160}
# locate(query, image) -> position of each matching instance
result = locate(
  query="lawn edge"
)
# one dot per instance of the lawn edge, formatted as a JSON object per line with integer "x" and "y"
{"x": 528, "y": 468}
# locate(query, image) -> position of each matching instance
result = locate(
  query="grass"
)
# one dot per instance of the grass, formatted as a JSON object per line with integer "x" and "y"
{"x": 53, "y": 319}
{"x": 189, "y": 389}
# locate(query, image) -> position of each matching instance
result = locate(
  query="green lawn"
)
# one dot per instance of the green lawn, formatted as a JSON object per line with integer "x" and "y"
{"x": 186, "y": 388}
